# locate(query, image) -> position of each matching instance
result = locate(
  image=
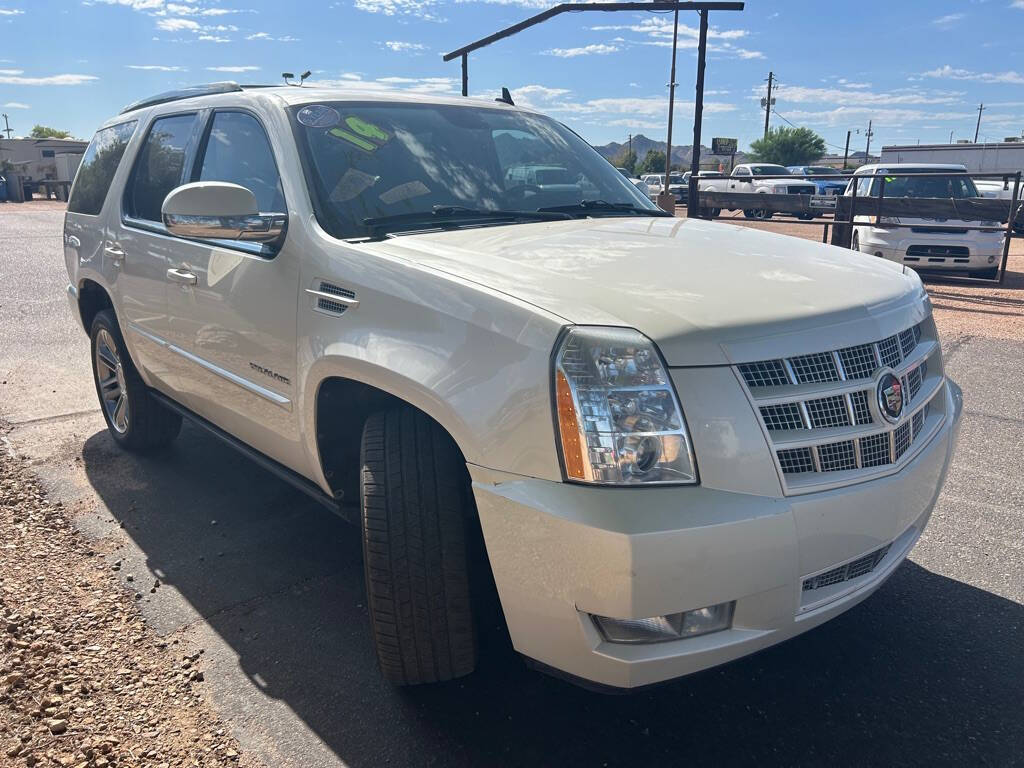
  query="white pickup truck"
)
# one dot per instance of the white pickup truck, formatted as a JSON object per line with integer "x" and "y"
{"x": 757, "y": 177}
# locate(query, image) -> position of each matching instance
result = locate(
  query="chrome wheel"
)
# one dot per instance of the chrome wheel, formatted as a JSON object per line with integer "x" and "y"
{"x": 110, "y": 380}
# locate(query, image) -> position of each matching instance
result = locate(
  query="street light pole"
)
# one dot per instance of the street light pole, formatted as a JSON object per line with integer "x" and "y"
{"x": 978, "y": 126}
{"x": 846, "y": 152}
{"x": 665, "y": 199}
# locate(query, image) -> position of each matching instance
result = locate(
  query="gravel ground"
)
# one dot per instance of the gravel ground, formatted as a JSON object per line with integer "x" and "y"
{"x": 83, "y": 681}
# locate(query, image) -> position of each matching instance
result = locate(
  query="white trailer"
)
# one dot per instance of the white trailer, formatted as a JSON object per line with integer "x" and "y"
{"x": 994, "y": 157}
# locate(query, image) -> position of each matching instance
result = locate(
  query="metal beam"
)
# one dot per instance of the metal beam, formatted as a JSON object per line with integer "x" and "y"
{"x": 698, "y": 119}
{"x": 586, "y": 7}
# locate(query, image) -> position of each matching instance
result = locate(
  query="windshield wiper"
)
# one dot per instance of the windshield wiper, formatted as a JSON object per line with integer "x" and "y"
{"x": 455, "y": 215}
{"x": 584, "y": 207}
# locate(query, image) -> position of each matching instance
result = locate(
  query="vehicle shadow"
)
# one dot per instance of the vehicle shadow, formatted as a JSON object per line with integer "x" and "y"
{"x": 928, "y": 670}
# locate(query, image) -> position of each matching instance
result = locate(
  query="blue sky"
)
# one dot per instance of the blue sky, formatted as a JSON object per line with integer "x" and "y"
{"x": 918, "y": 69}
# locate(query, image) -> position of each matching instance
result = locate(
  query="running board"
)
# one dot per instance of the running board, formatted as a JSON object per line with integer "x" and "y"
{"x": 347, "y": 513}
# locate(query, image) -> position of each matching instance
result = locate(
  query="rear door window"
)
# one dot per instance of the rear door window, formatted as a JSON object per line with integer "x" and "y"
{"x": 160, "y": 166}
{"x": 239, "y": 152}
{"x": 98, "y": 166}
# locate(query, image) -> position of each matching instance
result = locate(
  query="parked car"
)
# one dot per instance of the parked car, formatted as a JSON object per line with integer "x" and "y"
{"x": 675, "y": 184}
{"x": 921, "y": 242}
{"x": 671, "y": 444}
{"x": 748, "y": 178}
{"x": 822, "y": 186}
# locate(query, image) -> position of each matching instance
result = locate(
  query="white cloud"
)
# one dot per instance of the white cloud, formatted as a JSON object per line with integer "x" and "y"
{"x": 10, "y": 12}
{"x": 178, "y": 25}
{"x": 884, "y": 117}
{"x": 418, "y": 8}
{"x": 355, "y": 82}
{"x": 135, "y": 5}
{"x": 949, "y": 19}
{"x": 50, "y": 80}
{"x": 947, "y": 72}
{"x": 247, "y": 68}
{"x": 267, "y": 36}
{"x": 1017, "y": 4}
{"x": 16, "y": 105}
{"x": 214, "y": 39}
{"x": 156, "y": 67}
{"x": 586, "y": 50}
{"x": 399, "y": 46}
{"x": 11, "y": 71}
{"x": 857, "y": 97}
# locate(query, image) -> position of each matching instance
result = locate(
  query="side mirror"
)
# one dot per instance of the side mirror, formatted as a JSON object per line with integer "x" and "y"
{"x": 217, "y": 210}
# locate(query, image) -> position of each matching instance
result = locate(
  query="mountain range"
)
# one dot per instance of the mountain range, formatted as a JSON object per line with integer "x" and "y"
{"x": 681, "y": 155}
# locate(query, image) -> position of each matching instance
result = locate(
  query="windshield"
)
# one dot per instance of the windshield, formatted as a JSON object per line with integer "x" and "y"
{"x": 769, "y": 170}
{"x": 937, "y": 183}
{"x": 819, "y": 170}
{"x": 379, "y": 160}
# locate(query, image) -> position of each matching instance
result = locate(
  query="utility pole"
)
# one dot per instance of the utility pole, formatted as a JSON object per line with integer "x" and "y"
{"x": 7, "y": 127}
{"x": 630, "y": 154}
{"x": 977, "y": 127}
{"x": 665, "y": 200}
{"x": 768, "y": 103}
{"x": 846, "y": 152}
{"x": 698, "y": 118}
{"x": 867, "y": 149}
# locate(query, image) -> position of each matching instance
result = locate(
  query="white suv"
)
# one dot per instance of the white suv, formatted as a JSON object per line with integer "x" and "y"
{"x": 932, "y": 244}
{"x": 353, "y": 290}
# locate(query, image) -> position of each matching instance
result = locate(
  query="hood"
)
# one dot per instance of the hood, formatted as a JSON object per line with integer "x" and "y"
{"x": 701, "y": 290}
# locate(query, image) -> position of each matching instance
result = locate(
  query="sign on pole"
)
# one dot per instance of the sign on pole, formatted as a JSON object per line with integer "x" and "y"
{"x": 720, "y": 146}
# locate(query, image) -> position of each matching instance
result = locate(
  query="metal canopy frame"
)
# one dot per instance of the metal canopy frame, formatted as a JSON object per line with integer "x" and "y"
{"x": 657, "y": 5}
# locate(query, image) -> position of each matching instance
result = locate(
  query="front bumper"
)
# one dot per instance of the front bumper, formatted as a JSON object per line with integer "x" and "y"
{"x": 561, "y": 553}
{"x": 983, "y": 251}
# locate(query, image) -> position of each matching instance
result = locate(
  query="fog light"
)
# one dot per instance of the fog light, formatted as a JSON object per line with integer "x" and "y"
{"x": 661, "y": 629}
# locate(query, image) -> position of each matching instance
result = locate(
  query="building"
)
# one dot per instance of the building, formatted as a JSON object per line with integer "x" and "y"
{"x": 994, "y": 157}
{"x": 38, "y": 159}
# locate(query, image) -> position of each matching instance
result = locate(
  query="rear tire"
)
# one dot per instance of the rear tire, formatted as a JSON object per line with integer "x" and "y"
{"x": 135, "y": 420}
{"x": 414, "y": 498}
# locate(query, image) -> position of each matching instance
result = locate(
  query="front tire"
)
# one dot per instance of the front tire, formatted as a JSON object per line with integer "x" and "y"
{"x": 414, "y": 497}
{"x": 134, "y": 419}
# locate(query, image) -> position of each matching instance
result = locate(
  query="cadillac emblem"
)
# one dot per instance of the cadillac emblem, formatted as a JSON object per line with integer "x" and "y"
{"x": 890, "y": 397}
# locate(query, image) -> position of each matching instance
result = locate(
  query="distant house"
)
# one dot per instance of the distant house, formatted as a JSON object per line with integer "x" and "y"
{"x": 37, "y": 159}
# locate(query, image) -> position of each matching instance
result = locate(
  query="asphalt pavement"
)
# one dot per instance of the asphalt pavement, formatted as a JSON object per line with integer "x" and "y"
{"x": 928, "y": 671}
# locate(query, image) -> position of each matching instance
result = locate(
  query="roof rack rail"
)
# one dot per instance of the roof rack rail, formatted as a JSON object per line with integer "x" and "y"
{"x": 209, "y": 89}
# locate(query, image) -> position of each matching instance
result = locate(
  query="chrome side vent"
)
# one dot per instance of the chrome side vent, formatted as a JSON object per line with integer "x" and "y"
{"x": 332, "y": 299}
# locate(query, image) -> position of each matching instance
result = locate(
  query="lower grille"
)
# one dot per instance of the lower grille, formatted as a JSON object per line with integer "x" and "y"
{"x": 938, "y": 250}
{"x": 852, "y": 570}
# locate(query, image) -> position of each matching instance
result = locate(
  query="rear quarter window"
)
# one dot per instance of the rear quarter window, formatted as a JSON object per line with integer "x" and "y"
{"x": 98, "y": 166}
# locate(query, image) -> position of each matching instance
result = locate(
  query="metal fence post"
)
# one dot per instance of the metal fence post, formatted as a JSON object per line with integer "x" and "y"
{"x": 1011, "y": 216}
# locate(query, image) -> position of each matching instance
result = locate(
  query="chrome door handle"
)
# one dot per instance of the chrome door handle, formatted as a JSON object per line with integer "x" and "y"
{"x": 114, "y": 251}
{"x": 182, "y": 277}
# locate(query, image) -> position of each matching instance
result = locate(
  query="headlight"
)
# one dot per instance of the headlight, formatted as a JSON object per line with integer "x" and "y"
{"x": 619, "y": 419}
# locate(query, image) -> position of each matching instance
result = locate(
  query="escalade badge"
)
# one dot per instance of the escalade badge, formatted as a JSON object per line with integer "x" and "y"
{"x": 890, "y": 397}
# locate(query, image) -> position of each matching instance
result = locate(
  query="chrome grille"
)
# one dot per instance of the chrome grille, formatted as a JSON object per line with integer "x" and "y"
{"x": 828, "y": 412}
{"x": 796, "y": 461}
{"x": 834, "y": 391}
{"x": 862, "y": 566}
{"x": 816, "y": 368}
{"x": 837, "y": 456}
{"x": 861, "y": 411}
{"x": 766, "y": 373}
{"x": 784, "y": 416}
{"x": 858, "y": 362}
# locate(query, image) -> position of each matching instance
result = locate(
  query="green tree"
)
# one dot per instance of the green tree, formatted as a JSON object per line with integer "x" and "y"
{"x": 625, "y": 159}
{"x": 654, "y": 162}
{"x": 46, "y": 132}
{"x": 788, "y": 146}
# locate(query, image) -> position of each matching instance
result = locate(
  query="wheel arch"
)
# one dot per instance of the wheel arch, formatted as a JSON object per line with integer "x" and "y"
{"x": 92, "y": 299}
{"x": 339, "y": 402}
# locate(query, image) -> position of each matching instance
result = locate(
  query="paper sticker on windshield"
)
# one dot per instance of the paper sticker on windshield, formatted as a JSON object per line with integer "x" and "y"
{"x": 351, "y": 185}
{"x": 351, "y": 138}
{"x": 318, "y": 116}
{"x": 365, "y": 129}
{"x": 404, "y": 192}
